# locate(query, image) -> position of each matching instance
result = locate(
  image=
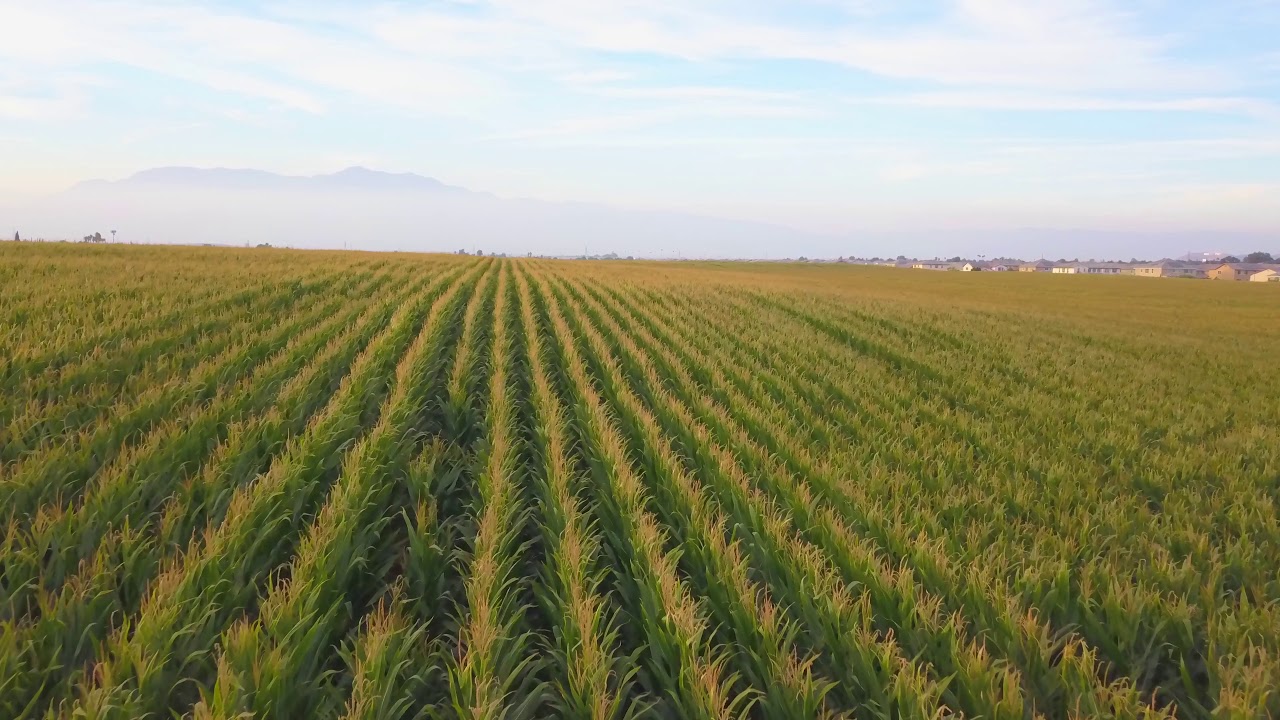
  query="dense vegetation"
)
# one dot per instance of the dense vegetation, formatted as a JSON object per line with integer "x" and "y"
{"x": 388, "y": 486}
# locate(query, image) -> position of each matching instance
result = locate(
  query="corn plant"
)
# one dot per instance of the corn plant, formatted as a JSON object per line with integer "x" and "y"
{"x": 681, "y": 660}
{"x": 592, "y": 682}
{"x": 329, "y": 484}
{"x": 178, "y": 624}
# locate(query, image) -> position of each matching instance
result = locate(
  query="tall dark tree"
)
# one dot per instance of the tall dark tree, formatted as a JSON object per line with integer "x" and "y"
{"x": 1259, "y": 257}
{"x": 16, "y": 238}
{"x": 1230, "y": 259}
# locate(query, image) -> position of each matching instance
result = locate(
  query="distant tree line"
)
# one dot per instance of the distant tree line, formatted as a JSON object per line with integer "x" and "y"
{"x": 1253, "y": 257}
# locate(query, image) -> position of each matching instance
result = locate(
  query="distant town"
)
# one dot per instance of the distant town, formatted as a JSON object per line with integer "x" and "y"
{"x": 1255, "y": 267}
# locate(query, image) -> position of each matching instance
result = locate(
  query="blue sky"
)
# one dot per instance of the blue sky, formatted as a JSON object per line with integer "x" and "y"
{"x": 830, "y": 115}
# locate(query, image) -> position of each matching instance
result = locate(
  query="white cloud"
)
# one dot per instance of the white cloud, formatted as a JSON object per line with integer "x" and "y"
{"x": 1055, "y": 44}
{"x": 21, "y": 107}
{"x": 442, "y": 59}
{"x": 594, "y": 78}
{"x": 58, "y": 96}
{"x": 586, "y": 129}
{"x": 281, "y": 62}
{"x": 906, "y": 171}
{"x": 700, "y": 93}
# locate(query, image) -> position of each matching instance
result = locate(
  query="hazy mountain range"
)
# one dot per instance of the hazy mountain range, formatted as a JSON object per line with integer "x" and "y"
{"x": 368, "y": 209}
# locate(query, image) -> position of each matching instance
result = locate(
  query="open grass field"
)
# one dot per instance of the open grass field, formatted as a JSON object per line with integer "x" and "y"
{"x": 316, "y": 485}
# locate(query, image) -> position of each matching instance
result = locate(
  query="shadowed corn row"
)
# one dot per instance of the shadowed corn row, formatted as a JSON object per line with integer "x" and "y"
{"x": 59, "y": 400}
{"x": 757, "y": 628}
{"x": 592, "y": 682}
{"x": 493, "y": 674}
{"x": 42, "y": 655}
{"x": 1018, "y": 637}
{"x": 57, "y": 421}
{"x": 276, "y": 665}
{"x": 1135, "y": 625}
{"x": 682, "y": 665}
{"x": 60, "y": 475}
{"x": 129, "y": 490}
{"x": 385, "y": 664}
{"x": 194, "y": 599}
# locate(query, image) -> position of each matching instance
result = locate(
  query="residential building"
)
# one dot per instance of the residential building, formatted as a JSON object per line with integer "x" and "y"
{"x": 1037, "y": 266}
{"x": 932, "y": 265}
{"x": 1003, "y": 267}
{"x": 1169, "y": 268}
{"x": 1240, "y": 271}
{"x": 1268, "y": 275}
{"x": 1094, "y": 268}
{"x": 1106, "y": 268}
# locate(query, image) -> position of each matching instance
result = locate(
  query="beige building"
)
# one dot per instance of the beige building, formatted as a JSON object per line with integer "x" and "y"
{"x": 1268, "y": 275}
{"x": 932, "y": 265}
{"x": 1240, "y": 271}
{"x": 1170, "y": 269}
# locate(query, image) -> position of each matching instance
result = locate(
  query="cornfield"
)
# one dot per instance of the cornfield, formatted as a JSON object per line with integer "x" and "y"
{"x": 275, "y": 484}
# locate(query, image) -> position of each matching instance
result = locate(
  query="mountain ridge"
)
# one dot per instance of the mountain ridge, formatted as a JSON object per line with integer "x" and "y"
{"x": 378, "y": 210}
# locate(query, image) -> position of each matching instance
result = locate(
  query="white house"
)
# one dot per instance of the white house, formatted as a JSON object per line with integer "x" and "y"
{"x": 1107, "y": 269}
{"x": 1094, "y": 268}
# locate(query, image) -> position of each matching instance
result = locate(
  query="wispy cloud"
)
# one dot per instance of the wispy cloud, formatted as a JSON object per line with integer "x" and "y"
{"x": 1033, "y": 101}
{"x": 233, "y": 52}
{"x": 904, "y": 171}
{"x": 1056, "y": 44}
{"x": 428, "y": 56}
{"x": 56, "y": 96}
{"x": 582, "y": 129}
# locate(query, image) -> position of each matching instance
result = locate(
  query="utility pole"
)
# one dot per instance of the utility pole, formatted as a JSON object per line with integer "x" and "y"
{"x": 113, "y": 236}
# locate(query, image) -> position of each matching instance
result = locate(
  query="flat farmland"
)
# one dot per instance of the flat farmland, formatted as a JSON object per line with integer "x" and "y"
{"x": 276, "y": 484}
